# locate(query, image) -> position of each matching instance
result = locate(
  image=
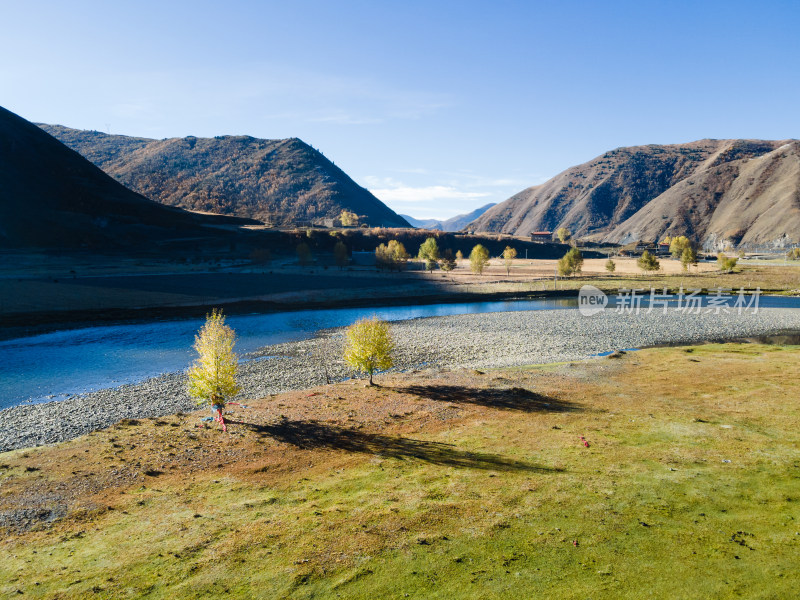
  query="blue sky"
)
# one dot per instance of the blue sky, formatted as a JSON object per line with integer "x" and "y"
{"x": 437, "y": 107}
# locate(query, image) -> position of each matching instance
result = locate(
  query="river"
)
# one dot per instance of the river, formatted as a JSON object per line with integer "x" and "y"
{"x": 56, "y": 365}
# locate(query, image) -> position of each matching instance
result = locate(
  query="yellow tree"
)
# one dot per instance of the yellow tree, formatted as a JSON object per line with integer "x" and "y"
{"x": 212, "y": 378}
{"x": 678, "y": 244}
{"x": 509, "y": 254}
{"x": 398, "y": 253}
{"x": 368, "y": 346}
{"x": 478, "y": 259}
{"x": 348, "y": 219}
{"x": 688, "y": 257}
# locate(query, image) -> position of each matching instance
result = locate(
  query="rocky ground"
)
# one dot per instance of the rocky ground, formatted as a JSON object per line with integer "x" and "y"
{"x": 476, "y": 341}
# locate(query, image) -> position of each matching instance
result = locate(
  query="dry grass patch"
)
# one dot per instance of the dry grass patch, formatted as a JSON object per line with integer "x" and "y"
{"x": 456, "y": 484}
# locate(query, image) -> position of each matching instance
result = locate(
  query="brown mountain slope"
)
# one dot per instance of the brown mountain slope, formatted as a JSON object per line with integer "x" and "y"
{"x": 748, "y": 201}
{"x": 595, "y": 199}
{"x": 50, "y": 196}
{"x": 278, "y": 181}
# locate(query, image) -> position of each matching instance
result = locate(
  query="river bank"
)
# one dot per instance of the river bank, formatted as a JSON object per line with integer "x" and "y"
{"x": 439, "y": 343}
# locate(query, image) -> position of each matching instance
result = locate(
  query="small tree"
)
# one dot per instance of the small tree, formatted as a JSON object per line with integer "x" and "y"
{"x": 348, "y": 219}
{"x": 429, "y": 252}
{"x": 340, "y": 254}
{"x": 678, "y": 244}
{"x": 478, "y": 259}
{"x": 793, "y": 254}
{"x": 447, "y": 263}
{"x": 563, "y": 234}
{"x": 726, "y": 265}
{"x": 611, "y": 266}
{"x": 571, "y": 262}
{"x": 398, "y": 253}
{"x": 459, "y": 255}
{"x": 303, "y": 254}
{"x": 368, "y": 346}
{"x": 688, "y": 257}
{"x": 509, "y": 254}
{"x": 212, "y": 378}
{"x": 648, "y": 262}
{"x": 383, "y": 258}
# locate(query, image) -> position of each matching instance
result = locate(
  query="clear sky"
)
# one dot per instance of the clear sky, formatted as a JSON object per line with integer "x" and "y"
{"x": 437, "y": 107}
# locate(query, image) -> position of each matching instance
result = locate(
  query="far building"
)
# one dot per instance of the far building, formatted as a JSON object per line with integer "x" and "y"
{"x": 542, "y": 237}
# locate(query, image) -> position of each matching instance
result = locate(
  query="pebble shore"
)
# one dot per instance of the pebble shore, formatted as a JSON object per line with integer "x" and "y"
{"x": 462, "y": 341}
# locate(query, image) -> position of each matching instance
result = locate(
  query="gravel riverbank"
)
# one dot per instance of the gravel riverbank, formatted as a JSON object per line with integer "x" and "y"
{"x": 474, "y": 340}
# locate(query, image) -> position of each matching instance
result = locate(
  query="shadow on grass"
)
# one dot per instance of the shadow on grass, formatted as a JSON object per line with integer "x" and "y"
{"x": 507, "y": 399}
{"x": 312, "y": 434}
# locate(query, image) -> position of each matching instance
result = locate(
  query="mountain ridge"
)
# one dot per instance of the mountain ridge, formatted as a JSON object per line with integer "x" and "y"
{"x": 53, "y": 197}
{"x": 600, "y": 199}
{"x": 282, "y": 182}
{"x": 456, "y": 223}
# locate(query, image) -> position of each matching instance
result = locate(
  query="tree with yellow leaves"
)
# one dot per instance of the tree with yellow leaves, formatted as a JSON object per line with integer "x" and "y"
{"x": 368, "y": 346}
{"x": 212, "y": 378}
{"x": 509, "y": 254}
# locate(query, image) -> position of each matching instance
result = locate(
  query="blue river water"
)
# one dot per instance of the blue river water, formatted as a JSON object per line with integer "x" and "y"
{"x": 55, "y": 365}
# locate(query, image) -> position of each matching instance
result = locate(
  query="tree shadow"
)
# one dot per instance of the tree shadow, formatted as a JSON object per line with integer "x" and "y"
{"x": 506, "y": 399}
{"x": 315, "y": 435}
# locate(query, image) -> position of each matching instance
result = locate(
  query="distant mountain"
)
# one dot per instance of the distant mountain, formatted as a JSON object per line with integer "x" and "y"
{"x": 744, "y": 191}
{"x": 282, "y": 182}
{"x": 423, "y": 223}
{"x": 50, "y": 196}
{"x": 456, "y": 223}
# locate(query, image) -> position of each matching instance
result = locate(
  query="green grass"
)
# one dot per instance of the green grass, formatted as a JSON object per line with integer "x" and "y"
{"x": 655, "y": 509}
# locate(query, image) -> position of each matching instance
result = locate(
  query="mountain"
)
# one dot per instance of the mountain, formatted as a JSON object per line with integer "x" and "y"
{"x": 456, "y": 223}
{"x": 282, "y": 182}
{"x": 744, "y": 191}
{"x": 423, "y": 223}
{"x": 50, "y": 196}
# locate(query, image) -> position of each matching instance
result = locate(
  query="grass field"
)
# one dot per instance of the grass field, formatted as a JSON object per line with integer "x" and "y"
{"x": 435, "y": 485}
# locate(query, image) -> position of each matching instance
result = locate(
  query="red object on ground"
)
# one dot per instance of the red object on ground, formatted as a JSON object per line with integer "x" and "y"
{"x": 575, "y": 542}
{"x": 585, "y": 443}
{"x": 221, "y": 420}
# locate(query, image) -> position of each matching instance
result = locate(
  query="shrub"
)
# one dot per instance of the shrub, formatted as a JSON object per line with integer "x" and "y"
{"x": 726, "y": 265}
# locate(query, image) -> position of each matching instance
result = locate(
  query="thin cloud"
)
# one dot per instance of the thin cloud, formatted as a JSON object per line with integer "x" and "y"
{"x": 430, "y": 193}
